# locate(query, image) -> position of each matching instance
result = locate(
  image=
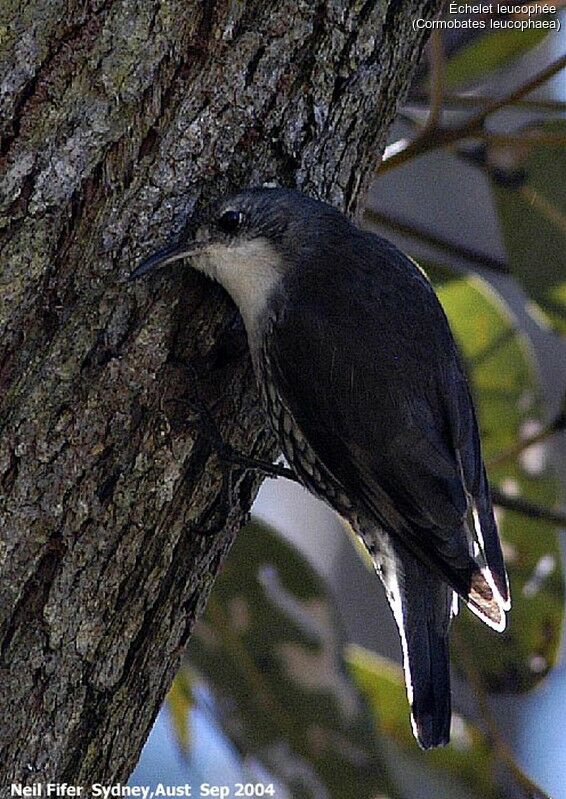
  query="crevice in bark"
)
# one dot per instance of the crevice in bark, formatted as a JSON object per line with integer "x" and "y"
{"x": 253, "y": 65}
{"x": 34, "y": 594}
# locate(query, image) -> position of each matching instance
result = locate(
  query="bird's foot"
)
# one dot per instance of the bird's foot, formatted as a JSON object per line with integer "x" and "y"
{"x": 203, "y": 417}
{"x": 272, "y": 470}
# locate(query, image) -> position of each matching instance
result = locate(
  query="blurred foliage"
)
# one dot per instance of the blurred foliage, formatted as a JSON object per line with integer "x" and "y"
{"x": 509, "y": 405}
{"x": 491, "y": 51}
{"x": 324, "y": 719}
{"x": 469, "y": 764}
{"x": 271, "y": 651}
{"x": 533, "y": 219}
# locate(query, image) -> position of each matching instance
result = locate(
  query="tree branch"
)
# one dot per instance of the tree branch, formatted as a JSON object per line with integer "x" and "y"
{"x": 426, "y": 237}
{"x": 545, "y": 208}
{"x": 436, "y": 72}
{"x": 434, "y": 138}
{"x": 527, "y": 508}
{"x": 557, "y": 425}
{"x": 422, "y": 98}
{"x": 528, "y": 138}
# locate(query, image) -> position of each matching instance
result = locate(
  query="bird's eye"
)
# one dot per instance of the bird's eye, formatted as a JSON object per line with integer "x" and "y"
{"x": 230, "y": 221}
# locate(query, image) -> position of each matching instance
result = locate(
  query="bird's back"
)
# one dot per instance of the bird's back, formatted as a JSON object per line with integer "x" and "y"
{"x": 358, "y": 351}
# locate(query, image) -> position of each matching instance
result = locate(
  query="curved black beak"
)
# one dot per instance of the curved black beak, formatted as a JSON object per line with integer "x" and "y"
{"x": 160, "y": 259}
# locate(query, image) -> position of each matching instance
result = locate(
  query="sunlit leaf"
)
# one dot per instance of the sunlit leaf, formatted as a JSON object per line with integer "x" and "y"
{"x": 509, "y": 406}
{"x": 493, "y": 50}
{"x": 271, "y": 651}
{"x": 179, "y": 702}
{"x": 533, "y": 222}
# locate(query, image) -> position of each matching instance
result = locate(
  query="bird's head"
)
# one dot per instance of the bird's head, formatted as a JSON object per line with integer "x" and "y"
{"x": 248, "y": 243}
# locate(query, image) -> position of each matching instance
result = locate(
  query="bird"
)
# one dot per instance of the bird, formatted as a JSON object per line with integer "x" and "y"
{"x": 366, "y": 392}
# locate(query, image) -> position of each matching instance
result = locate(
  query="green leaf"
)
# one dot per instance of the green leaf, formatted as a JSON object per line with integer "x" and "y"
{"x": 533, "y": 222}
{"x": 270, "y": 648}
{"x": 508, "y": 402}
{"x": 179, "y": 702}
{"x": 489, "y": 52}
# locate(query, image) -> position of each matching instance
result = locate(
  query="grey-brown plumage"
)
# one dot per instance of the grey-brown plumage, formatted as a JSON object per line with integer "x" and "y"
{"x": 364, "y": 388}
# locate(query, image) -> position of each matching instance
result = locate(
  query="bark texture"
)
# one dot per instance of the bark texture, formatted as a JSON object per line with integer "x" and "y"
{"x": 118, "y": 119}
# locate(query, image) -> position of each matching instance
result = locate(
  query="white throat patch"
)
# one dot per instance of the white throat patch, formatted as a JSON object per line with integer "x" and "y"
{"x": 249, "y": 271}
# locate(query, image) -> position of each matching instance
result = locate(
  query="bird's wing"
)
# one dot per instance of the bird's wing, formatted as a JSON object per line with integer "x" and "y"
{"x": 374, "y": 382}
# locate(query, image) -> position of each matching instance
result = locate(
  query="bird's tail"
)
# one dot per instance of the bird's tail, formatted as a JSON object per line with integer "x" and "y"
{"x": 422, "y": 605}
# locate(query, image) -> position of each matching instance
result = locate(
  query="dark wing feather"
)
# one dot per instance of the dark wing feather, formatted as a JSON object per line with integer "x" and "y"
{"x": 365, "y": 361}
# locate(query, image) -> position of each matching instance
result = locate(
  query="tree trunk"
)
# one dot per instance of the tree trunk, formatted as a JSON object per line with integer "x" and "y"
{"x": 119, "y": 119}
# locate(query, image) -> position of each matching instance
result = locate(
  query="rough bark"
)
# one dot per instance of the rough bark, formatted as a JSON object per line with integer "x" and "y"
{"x": 118, "y": 119}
